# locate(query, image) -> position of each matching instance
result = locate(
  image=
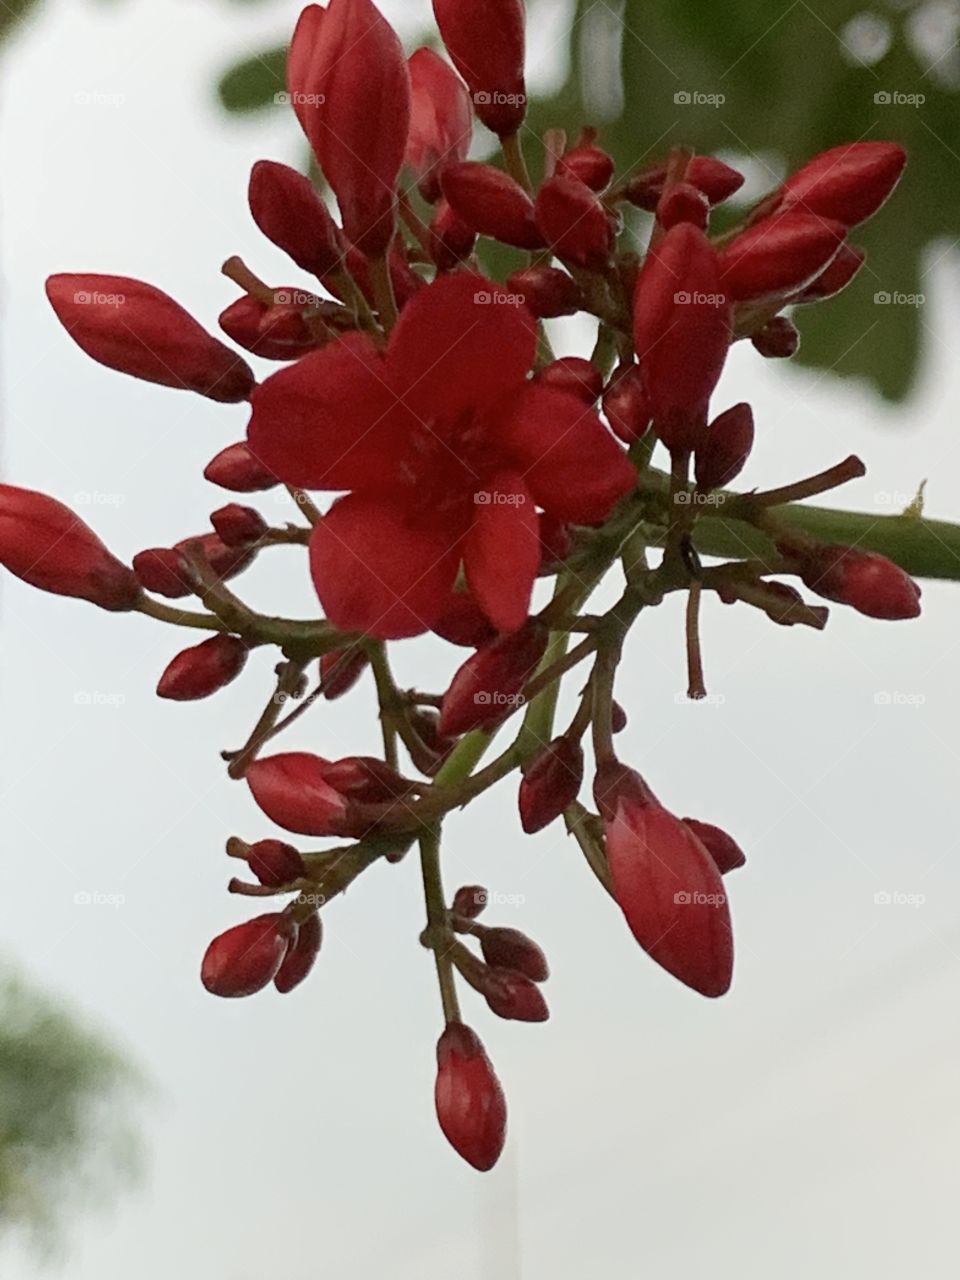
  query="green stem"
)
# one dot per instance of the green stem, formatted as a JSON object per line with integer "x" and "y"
{"x": 439, "y": 934}
{"x": 516, "y": 165}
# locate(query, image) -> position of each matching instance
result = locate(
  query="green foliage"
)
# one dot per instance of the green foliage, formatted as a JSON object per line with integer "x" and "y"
{"x": 795, "y": 79}
{"x": 64, "y": 1101}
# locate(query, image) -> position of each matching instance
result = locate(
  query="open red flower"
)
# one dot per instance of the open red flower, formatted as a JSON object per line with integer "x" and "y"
{"x": 447, "y": 450}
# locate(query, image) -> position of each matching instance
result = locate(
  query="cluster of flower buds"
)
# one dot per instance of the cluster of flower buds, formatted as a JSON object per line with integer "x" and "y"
{"x": 468, "y": 461}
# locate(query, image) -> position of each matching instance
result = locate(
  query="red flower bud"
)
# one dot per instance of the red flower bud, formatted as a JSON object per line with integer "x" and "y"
{"x": 588, "y": 164}
{"x": 204, "y": 668}
{"x": 365, "y": 779}
{"x": 868, "y": 582}
{"x": 848, "y": 183}
{"x": 849, "y": 260}
{"x": 226, "y": 562}
{"x": 275, "y": 863}
{"x": 556, "y": 542}
{"x": 293, "y": 791}
{"x": 238, "y": 526}
{"x": 683, "y": 202}
{"x": 247, "y": 957}
{"x": 511, "y": 949}
{"x": 451, "y": 240}
{"x": 340, "y": 669}
{"x": 618, "y": 717}
{"x": 131, "y": 326}
{"x": 161, "y": 570}
{"x": 485, "y": 40}
{"x": 574, "y": 222}
{"x": 463, "y": 622}
{"x": 492, "y": 203}
{"x": 723, "y": 849}
{"x": 625, "y": 404}
{"x": 471, "y": 1108}
{"x": 236, "y": 468}
{"x": 301, "y": 955}
{"x": 511, "y": 995}
{"x": 575, "y": 375}
{"x": 46, "y": 545}
{"x": 277, "y": 332}
{"x": 287, "y": 208}
{"x": 726, "y": 447}
{"x": 778, "y": 255}
{"x": 779, "y": 339}
{"x": 666, "y": 883}
{"x": 469, "y": 901}
{"x": 348, "y": 78}
{"x": 547, "y": 292}
{"x": 441, "y": 120}
{"x": 487, "y": 687}
{"x": 715, "y": 179}
{"x": 681, "y": 322}
{"x": 551, "y": 782}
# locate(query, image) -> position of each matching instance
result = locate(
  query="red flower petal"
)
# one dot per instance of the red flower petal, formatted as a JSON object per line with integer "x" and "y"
{"x": 458, "y": 346}
{"x": 292, "y": 790}
{"x": 384, "y": 568}
{"x": 572, "y": 465}
{"x": 329, "y": 421}
{"x": 501, "y": 555}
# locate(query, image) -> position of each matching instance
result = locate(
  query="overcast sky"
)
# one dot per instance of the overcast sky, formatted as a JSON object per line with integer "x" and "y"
{"x": 807, "y": 1123}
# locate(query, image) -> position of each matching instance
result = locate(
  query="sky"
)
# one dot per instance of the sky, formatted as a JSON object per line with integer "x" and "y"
{"x": 806, "y": 1121}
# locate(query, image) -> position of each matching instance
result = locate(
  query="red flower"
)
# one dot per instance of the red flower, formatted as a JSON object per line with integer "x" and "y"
{"x": 448, "y": 450}
{"x": 348, "y": 78}
{"x": 485, "y": 39}
{"x": 441, "y": 121}
{"x": 470, "y": 1104}
{"x": 246, "y": 958}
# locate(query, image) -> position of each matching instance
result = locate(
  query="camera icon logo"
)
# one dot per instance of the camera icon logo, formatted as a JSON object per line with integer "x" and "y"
{"x": 682, "y": 98}
{"x": 482, "y": 299}
{"x": 882, "y": 298}
{"x": 882, "y": 98}
{"x": 682, "y": 898}
{"x": 482, "y": 98}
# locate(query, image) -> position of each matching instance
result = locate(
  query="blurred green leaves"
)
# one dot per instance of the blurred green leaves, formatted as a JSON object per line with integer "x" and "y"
{"x": 795, "y": 77}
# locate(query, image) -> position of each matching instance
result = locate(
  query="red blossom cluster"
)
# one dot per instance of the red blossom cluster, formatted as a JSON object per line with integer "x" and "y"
{"x": 468, "y": 462}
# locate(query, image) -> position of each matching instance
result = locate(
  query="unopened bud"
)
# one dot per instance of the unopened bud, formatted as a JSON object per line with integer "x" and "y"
{"x": 202, "y": 669}
{"x": 550, "y": 784}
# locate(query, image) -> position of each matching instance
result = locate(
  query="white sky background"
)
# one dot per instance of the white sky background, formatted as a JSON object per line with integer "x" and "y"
{"x": 806, "y": 1121}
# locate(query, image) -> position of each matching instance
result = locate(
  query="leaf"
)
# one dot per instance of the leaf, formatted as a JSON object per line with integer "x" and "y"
{"x": 254, "y": 83}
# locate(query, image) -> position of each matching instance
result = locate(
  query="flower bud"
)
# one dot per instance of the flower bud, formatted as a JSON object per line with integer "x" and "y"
{"x": 238, "y": 526}
{"x": 550, "y": 784}
{"x": 665, "y": 882}
{"x": 451, "y": 240}
{"x": 511, "y": 995}
{"x": 366, "y": 780}
{"x": 463, "y": 622}
{"x": 202, "y": 669}
{"x": 287, "y": 208}
{"x": 471, "y": 1108}
{"x": 135, "y": 328}
{"x": 547, "y": 292}
{"x": 469, "y": 901}
{"x": 723, "y": 849}
{"x": 575, "y": 375}
{"x": 589, "y": 164}
{"x": 162, "y": 571}
{"x": 226, "y": 562}
{"x": 441, "y": 120}
{"x": 275, "y": 863}
{"x": 835, "y": 277}
{"x": 486, "y": 688}
{"x": 491, "y": 203}
{"x": 511, "y": 949}
{"x": 574, "y": 222}
{"x": 683, "y": 202}
{"x": 348, "y": 77}
{"x": 848, "y": 183}
{"x": 625, "y": 404}
{"x": 247, "y": 957}
{"x": 340, "y": 669}
{"x": 868, "y": 582}
{"x": 779, "y": 339}
{"x": 292, "y": 790}
{"x": 779, "y": 255}
{"x": 301, "y": 954}
{"x": 556, "y": 542}
{"x": 47, "y": 546}
{"x": 485, "y": 40}
{"x": 681, "y": 332}
{"x": 277, "y": 332}
{"x": 715, "y": 179}
{"x": 618, "y": 717}
{"x": 725, "y": 448}
{"x": 237, "y": 469}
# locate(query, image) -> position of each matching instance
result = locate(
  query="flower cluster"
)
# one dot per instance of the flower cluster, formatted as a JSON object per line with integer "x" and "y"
{"x": 468, "y": 461}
